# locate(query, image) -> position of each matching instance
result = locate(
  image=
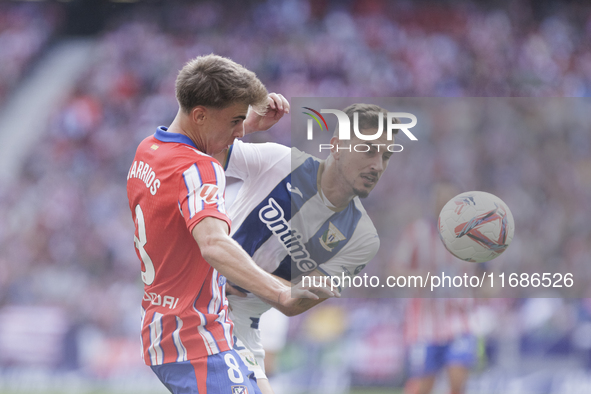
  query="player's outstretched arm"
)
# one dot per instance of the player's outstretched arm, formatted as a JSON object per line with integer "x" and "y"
{"x": 302, "y": 304}
{"x": 297, "y": 306}
{"x": 225, "y": 255}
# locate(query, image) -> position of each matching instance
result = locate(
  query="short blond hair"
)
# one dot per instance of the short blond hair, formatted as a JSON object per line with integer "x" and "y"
{"x": 218, "y": 82}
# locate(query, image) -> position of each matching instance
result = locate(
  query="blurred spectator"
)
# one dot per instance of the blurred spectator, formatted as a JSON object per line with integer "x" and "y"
{"x": 24, "y": 31}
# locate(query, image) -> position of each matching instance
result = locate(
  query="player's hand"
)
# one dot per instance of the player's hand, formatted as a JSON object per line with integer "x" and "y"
{"x": 277, "y": 106}
{"x": 298, "y": 291}
{"x": 326, "y": 291}
{"x": 231, "y": 290}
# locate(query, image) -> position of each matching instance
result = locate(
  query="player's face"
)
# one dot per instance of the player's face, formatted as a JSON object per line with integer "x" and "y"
{"x": 224, "y": 125}
{"x": 361, "y": 171}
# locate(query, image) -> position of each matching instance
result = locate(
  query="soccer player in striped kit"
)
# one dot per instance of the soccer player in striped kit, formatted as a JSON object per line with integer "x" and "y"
{"x": 176, "y": 196}
{"x": 437, "y": 330}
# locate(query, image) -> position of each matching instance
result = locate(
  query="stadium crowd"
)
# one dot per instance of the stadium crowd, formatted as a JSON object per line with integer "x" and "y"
{"x": 25, "y": 30}
{"x": 65, "y": 238}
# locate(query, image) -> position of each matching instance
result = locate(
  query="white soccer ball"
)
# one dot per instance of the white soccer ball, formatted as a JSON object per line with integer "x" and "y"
{"x": 476, "y": 226}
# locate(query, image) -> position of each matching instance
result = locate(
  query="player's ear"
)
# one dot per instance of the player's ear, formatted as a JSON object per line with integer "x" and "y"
{"x": 199, "y": 114}
{"x": 334, "y": 142}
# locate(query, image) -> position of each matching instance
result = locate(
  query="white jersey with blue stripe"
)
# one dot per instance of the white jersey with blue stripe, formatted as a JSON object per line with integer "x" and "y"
{"x": 279, "y": 215}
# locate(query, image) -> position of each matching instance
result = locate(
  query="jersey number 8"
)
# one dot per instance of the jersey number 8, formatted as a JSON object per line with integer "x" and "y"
{"x": 140, "y": 242}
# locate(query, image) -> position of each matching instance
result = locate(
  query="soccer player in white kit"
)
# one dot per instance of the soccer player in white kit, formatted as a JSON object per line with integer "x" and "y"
{"x": 298, "y": 215}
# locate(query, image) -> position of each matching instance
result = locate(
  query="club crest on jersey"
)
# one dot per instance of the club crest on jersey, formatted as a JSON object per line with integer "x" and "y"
{"x": 249, "y": 358}
{"x": 239, "y": 390}
{"x": 209, "y": 193}
{"x": 331, "y": 237}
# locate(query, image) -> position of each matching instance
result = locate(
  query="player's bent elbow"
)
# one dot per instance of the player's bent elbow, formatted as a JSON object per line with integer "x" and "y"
{"x": 211, "y": 247}
{"x": 208, "y": 253}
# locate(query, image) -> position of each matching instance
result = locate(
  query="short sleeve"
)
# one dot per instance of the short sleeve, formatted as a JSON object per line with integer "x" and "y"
{"x": 201, "y": 193}
{"x": 352, "y": 259}
{"x": 246, "y": 159}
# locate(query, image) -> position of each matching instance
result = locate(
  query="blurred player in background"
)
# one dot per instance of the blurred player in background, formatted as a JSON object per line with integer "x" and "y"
{"x": 297, "y": 215}
{"x": 176, "y": 196}
{"x": 273, "y": 329}
{"x": 437, "y": 330}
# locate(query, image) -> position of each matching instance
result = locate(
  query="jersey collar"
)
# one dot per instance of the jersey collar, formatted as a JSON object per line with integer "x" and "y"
{"x": 162, "y": 134}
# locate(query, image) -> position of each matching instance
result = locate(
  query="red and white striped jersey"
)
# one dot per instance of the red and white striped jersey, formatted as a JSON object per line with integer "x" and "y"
{"x": 420, "y": 250}
{"x": 171, "y": 187}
